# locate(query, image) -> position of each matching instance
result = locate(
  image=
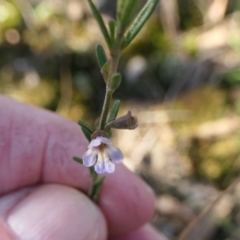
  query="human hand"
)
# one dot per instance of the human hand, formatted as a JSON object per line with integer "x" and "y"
{"x": 39, "y": 199}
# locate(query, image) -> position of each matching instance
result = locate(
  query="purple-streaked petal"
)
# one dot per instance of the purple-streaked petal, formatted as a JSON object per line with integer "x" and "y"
{"x": 89, "y": 157}
{"x": 104, "y": 140}
{"x": 104, "y": 164}
{"x": 99, "y": 166}
{"x": 94, "y": 143}
{"x": 109, "y": 167}
{"x": 114, "y": 154}
{"x": 98, "y": 141}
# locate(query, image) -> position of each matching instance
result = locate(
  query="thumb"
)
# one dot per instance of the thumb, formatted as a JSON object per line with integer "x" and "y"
{"x": 51, "y": 212}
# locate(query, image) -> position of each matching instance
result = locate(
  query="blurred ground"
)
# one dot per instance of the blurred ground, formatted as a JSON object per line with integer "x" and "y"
{"x": 181, "y": 77}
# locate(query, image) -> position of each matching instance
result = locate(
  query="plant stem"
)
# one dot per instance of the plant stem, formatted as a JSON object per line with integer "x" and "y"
{"x": 97, "y": 181}
{"x": 108, "y": 95}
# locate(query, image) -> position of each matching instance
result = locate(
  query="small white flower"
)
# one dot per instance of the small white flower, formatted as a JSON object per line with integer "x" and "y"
{"x": 102, "y": 155}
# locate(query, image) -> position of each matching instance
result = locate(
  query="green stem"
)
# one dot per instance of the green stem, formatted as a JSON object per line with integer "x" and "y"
{"x": 106, "y": 105}
{"x": 109, "y": 92}
{"x": 97, "y": 181}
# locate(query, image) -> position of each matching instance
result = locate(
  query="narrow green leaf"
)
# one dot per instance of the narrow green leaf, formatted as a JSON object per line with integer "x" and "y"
{"x": 87, "y": 134}
{"x": 86, "y": 129}
{"x": 101, "y": 23}
{"x": 105, "y": 71}
{"x": 101, "y": 55}
{"x": 84, "y": 125}
{"x": 116, "y": 81}
{"x": 125, "y": 12}
{"x": 109, "y": 133}
{"x": 120, "y": 7}
{"x": 114, "y": 111}
{"x": 112, "y": 26}
{"x": 77, "y": 159}
{"x": 139, "y": 21}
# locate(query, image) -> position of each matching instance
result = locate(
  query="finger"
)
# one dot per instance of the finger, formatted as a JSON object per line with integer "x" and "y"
{"x": 38, "y": 146}
{"x": 51, "y": 212}
{"x": 146, "y": 232}
{"x": 126, "y": 201}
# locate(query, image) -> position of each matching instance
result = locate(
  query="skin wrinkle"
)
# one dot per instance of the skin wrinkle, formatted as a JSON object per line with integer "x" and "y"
{"x": 61, "y": 153}
{"x": 60, "y": 174}
{"x": 15, "y": 131}
{"x": 52, "y": 124}
{"x": 19, "y": 151}
{"x": 60, "y": 144}
{"x": 7, "y": 149}
{"x": 59, "y": 147}
{"x": 59, "y": 160}
{"x": 59, "y": 131}
{"x": 42, "y": 167}
{"x": 126, "y": 205}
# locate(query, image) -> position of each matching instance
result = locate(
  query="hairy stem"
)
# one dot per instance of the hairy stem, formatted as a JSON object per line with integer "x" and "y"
{"x": 108, "y": 95}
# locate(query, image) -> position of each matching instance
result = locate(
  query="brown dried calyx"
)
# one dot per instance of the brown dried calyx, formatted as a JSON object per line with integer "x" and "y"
{"x": 125, "y": 122}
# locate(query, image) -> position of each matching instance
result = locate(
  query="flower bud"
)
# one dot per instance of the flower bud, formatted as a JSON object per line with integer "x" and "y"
{"x": 125, "y": 122}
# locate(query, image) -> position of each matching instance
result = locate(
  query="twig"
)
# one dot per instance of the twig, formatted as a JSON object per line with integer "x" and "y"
{"x": 205, "y": 211}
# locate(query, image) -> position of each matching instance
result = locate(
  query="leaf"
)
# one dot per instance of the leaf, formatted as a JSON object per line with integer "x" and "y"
{"x": 86, "y": 129}
{"x": 125, "y": 12}
{"x": 114, "y": 111}
{"x": 109, "y": 133}
{"x": 105, "y": 71}
{"x": 101, "y": 23}
{"x": 112, "y": 27}
{"x": 116, "y": 81}
{"x": 139, "y": 21}
{"x": 84, "y": 125}
{"x": 77, "y": 159}
{"x": 101, "y": 55}
{"x": 87, "y": 134}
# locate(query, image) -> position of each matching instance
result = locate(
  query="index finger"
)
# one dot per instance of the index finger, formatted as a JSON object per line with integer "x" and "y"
{"x": 37, "y": 146}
